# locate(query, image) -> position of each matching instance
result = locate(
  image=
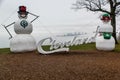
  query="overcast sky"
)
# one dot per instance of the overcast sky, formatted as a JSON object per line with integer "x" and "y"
{"x": 51, "y": 12}
{"x": 56, "y": 16}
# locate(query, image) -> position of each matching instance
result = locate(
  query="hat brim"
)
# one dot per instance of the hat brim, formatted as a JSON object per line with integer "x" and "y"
{"x": 19, "y": 12}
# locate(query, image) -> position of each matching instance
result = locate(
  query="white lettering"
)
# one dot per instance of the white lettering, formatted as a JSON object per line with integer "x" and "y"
{"x": 60, "y": 46}
{"x": 40, "y": 49}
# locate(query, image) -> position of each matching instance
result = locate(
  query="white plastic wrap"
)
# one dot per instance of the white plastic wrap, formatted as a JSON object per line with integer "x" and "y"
{"x": 105, "y": 44}
{"x": 22, "y": 43}
{"x": 23, "y": 26}
{"x": 105, "y": 28}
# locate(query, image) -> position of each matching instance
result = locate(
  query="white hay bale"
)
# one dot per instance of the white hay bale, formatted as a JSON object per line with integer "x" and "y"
{"x": 23, "y": 26}
{"x": 105, "y": 44}
{"x": 105, "y": 28}
{"x": 22, "y": 43}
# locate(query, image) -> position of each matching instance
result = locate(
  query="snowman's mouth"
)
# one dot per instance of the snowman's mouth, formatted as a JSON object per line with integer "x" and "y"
{"x": 23, "y": 15}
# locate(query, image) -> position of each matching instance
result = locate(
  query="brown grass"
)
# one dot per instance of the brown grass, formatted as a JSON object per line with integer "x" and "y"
{"x": 75, "y": 65}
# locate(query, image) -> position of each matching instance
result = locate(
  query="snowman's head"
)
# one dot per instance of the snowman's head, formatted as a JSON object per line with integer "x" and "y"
{"x": 105, "y": 18}
{"x": 22, "y": 13}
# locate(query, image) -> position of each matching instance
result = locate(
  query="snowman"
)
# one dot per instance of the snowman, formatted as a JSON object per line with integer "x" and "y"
{"x": 104, "y": 39}
{"x": 23, "y": 41}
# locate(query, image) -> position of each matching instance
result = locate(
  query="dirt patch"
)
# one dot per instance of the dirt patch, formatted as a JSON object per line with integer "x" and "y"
{"x": 75, "y": 65}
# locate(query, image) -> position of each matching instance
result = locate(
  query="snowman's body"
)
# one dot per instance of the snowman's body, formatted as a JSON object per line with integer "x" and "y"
{"x": 105, "y": 27}
{"x": 105, "y": 44}
{"x": 23, "y": 41}
{"x": 101, "y": 42}
{"x": 23, "y": 26}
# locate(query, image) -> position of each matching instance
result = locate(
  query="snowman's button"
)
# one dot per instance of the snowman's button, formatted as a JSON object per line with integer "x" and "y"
{"x": 24, "y": 23}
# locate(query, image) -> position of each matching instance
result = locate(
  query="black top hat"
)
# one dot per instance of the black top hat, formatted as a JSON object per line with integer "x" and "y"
{"x": 22, "y": 9}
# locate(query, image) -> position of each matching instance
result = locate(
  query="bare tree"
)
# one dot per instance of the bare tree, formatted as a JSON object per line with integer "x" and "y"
{"x": 112, "y": 7}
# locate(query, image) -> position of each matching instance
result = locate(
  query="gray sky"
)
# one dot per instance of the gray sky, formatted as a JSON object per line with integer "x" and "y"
{"x": 56, "y": 16}
{"x": 51, "y": 12}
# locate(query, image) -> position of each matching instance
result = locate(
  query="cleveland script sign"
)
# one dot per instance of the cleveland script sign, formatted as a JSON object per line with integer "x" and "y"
{"x": 56, "y": 46}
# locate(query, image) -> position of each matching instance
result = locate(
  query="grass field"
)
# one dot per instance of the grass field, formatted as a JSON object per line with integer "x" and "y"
{"x": 4, "y": 50}
{"x": 84, "y": 47}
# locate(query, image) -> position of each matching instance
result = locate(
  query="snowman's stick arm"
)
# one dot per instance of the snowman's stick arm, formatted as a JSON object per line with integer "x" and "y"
{"x": 96, "y": 31}
{"x": 7, "y": 29}
{"x": 33, "y": 15}
{"x": 9, "y": 24}
{"x": 9, "y": 33}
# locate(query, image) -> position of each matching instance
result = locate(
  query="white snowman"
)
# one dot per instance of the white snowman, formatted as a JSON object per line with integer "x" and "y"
{"x": 23, "y": 41}
{"x": 104, "y": 39}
